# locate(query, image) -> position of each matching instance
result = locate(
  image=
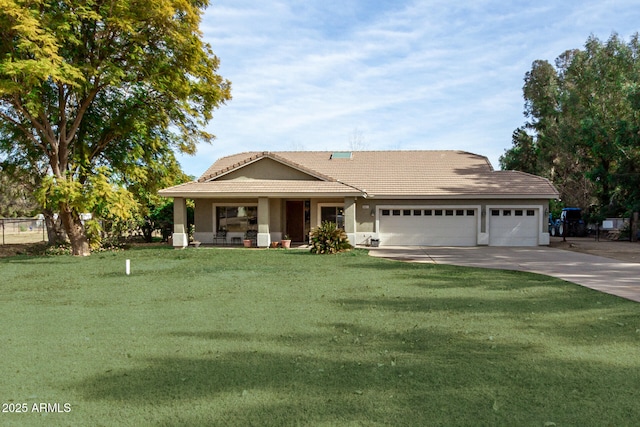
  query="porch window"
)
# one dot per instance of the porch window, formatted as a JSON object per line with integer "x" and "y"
{"x": 237, "y": 218}
{"x": 333, "y": 214}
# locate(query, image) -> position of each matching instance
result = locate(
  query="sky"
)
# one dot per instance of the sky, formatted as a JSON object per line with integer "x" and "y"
{"x": 387, "y": 75}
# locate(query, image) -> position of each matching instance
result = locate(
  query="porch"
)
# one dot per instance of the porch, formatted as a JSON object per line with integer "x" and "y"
{"x": 227, "y": 222}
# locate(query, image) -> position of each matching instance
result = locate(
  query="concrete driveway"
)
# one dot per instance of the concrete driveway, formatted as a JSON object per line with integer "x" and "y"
{"x": 603, "y": 274}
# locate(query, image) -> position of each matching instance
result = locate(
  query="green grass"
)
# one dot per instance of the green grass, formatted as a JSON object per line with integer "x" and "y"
{"x": 217, "y": 337}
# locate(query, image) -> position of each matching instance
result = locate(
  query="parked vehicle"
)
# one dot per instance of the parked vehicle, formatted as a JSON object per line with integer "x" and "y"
{"x": 554, "y": 225}
{"x": 571, "y": 219}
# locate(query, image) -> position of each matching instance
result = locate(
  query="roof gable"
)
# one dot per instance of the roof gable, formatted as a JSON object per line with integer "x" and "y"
{"x": 265, "y": 165}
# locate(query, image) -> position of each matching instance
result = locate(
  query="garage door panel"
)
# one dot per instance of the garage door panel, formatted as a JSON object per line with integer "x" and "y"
{"x": 508, "y": 229}
{"x": 457, "y": 229}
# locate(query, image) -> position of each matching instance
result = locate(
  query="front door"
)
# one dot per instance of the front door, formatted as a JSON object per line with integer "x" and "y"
{"x": 295, "y": 220}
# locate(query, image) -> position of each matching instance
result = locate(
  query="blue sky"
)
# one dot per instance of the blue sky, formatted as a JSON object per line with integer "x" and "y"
{"x": 387, "y": 75}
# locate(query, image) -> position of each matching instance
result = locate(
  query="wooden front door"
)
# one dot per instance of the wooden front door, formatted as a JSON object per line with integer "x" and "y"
{"x": 295, "y": 220}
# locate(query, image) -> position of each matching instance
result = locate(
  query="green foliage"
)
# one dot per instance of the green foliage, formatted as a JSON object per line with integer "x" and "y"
{"x": 94, "y": 233}
{"x": 523, "y": 156}
{"x": 86, "y": 85}
{"x": 159, "y": 218}
{"x": 16, "y": 198}
{"x": 57, "y": 250}
{"x": 583, "y": 125}
{"x": 329, "y": 239}
{"x": 97, "y": 195}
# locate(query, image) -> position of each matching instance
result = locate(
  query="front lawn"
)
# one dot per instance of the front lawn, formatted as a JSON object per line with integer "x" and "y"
{"x": 272, "y": 337}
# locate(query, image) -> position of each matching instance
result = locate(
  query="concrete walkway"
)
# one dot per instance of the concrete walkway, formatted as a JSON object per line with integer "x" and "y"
{"x": 603, "y": 274}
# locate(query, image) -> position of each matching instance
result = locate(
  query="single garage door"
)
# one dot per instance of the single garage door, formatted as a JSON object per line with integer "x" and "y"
{"x": 428, "y": 227}
{"x": 513, "y": 227}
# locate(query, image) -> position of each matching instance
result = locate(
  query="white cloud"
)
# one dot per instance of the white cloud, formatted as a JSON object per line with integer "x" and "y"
{"x": 407, "y": 74}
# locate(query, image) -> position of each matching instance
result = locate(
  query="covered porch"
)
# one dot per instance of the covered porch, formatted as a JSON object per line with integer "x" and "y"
{"x": 229, "y": 220}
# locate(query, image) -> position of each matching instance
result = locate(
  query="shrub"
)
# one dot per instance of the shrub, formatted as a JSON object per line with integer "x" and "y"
{"x": 62, "y": 249}
{"x": 329, "y": 239}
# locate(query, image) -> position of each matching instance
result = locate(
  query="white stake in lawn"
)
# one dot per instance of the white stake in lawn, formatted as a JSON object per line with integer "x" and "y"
{"x": 127, "y": 267}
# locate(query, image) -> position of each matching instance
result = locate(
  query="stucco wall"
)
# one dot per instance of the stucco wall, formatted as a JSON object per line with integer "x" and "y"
{"x": 266, "y": 169}
{"x": 203, "y": 215}
{"x": 276, "y": 216}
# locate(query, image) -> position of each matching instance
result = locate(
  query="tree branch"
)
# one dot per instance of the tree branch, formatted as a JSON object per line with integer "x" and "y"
{"x": 83, "y": 109}
{"x": 28, "y": 134}
{"x": 62, "y": 106}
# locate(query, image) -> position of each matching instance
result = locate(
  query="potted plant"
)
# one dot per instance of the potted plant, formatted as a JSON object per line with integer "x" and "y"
{"x": 275, "y": 244}
{"x": 286, "y": 242}
{"x": 247, "y": 243}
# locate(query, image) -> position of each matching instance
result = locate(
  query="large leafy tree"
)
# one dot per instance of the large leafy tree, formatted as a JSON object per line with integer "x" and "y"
{"x": 94, "y": 94}
{"x": 583, "y": 122}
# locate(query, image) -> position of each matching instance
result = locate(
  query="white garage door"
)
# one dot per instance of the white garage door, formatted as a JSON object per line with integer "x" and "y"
{"x": 513, "y": 227}
{"x": 428, "y": 227}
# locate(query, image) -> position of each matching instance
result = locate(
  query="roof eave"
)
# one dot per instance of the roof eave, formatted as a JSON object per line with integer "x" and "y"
{"x": 464, "y": 196}
{"x": 236, "y": 195}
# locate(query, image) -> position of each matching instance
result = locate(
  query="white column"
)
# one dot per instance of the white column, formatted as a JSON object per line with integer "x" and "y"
{"x": 180, "y": 232}
{"x": 264, "y": 238}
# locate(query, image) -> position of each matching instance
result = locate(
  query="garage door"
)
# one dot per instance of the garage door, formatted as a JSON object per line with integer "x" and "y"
{"x": 428, "y": 227}
{"x": 513, "y": 227}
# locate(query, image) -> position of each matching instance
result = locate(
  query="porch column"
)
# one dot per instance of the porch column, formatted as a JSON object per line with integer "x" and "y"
{"x": 264, "y": 238}
{"x": 180, "y": 232}
{"x": 350, "y": 219}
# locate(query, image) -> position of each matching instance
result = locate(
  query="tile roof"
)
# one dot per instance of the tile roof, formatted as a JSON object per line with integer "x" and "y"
{"x": 256, "y": 187}
{"x": 399, "y": 174}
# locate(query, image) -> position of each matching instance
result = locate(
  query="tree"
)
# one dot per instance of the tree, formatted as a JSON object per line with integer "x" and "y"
{"x": 524, "y": 155}
{"x": 101, "y": 92}
{"x": 583, "y": 119}
{"x": 357, "y": 141}
{"x": 15, "y": 197}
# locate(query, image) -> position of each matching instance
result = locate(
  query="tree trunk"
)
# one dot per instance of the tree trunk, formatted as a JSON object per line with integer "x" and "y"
{"x": 55, "y": 232}
{"x": 75, "y": 231}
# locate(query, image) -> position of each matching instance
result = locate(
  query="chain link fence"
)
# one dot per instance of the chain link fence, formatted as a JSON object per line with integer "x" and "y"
{"x": 22, "y": 230}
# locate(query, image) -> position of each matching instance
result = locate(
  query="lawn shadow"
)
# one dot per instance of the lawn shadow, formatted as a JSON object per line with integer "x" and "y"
{"x": 581, "y": 318}
{"x": 32, "y": 260}
{"x": 417, "y": 377}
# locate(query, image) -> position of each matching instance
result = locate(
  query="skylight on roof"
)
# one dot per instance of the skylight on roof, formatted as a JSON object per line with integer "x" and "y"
{"x": 341, "y": 155}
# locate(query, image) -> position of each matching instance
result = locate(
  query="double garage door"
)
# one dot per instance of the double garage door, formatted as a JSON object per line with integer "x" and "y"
{"x": 411, "y": 226}
{"x": 428, "y": 227}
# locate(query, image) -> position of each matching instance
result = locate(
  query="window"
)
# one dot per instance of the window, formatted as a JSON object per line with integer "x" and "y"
{"x": 406, "y": 212}
{"x": 438, "y": 212}
{"x": 386, "y": 212}
{"x": 495, "y": 212}
{"x": 506, "y": 212}
{"x": 459, "y": 212}
{"x": 237, "y": 218}
{"x": 428, "y": 212}
{"x": 417, "y": 212}
{"x": 518, "y": 212}
{"x": 333, "y": 214}
{"x": 449, "y": 212}
{"x": 396, "y": 212}
{"x": 531, "y": 212}
{"x": 342, "y": 155}
{"x": 471, "y": 212}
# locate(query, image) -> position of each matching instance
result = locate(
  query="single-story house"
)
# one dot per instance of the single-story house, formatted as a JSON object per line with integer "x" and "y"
{"x": 426, "y": 198}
